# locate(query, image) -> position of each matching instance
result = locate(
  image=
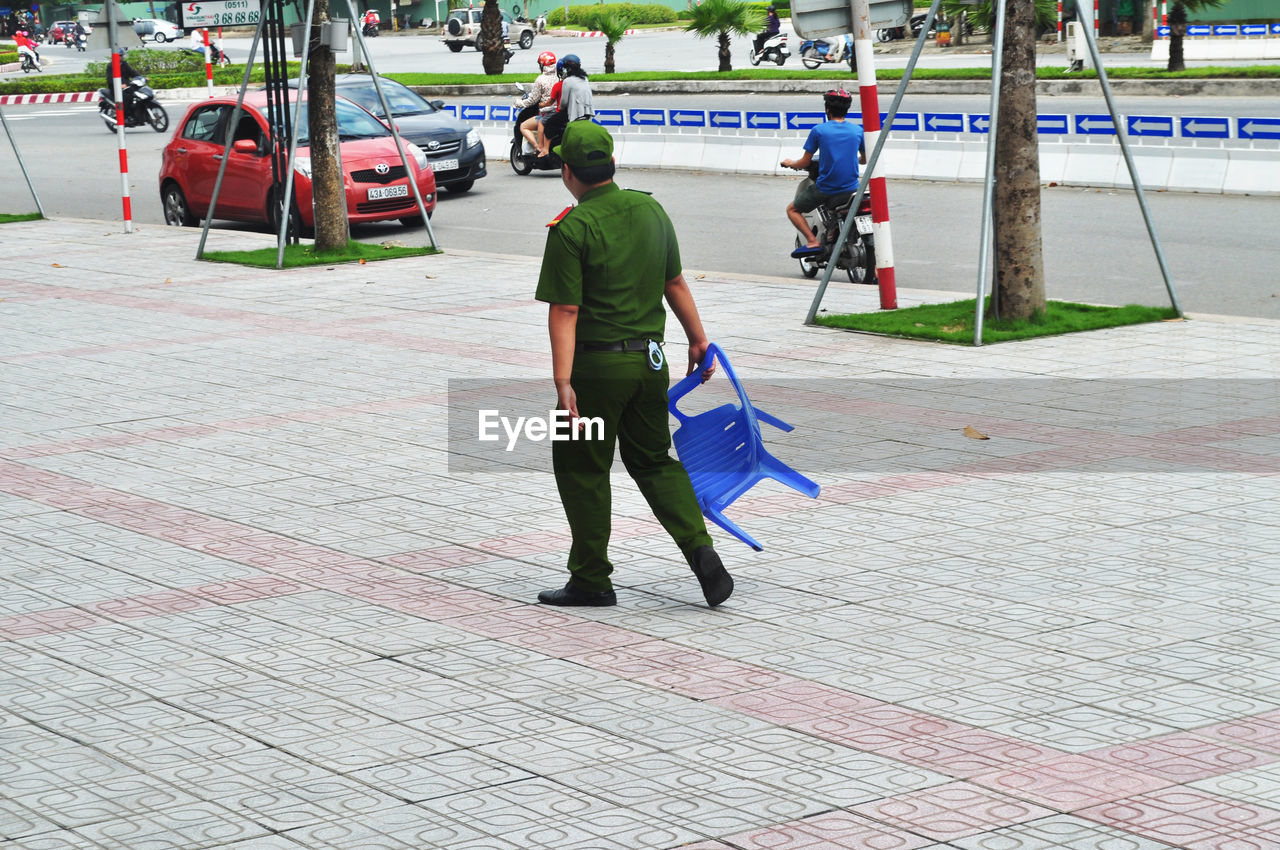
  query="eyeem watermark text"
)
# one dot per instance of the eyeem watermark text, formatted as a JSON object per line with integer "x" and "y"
{"x": 556, "y": 426}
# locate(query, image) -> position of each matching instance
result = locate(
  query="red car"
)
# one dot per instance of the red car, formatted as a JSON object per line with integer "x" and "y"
{"x": 376, "y": 185}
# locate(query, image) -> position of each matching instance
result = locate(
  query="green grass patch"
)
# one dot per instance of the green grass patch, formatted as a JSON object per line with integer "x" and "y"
{"x": 305, "y": 255}
{"x": 5, "y": 218}
{"x": 953, "y": 321}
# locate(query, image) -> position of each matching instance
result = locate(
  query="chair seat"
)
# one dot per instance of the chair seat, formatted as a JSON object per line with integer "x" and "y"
{"x": 723, "y": 452}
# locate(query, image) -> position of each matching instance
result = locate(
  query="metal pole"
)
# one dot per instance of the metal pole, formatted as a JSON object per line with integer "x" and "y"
{"x": 21, "y": 164}
{"x": 1123, "y": 138}
{"x": 287, "y": 213}
{"x": 988, "y": 190}
{"x": 395, "y": 134}
{"x": 871, "y": 162}
{"x": 229, "y": 135}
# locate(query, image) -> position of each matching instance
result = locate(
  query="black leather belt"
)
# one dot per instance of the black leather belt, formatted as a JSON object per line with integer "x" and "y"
{"x": 625, "y": 345}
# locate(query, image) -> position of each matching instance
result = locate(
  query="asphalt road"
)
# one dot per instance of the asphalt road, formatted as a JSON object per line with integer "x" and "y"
{"x": 1222, "y": 249}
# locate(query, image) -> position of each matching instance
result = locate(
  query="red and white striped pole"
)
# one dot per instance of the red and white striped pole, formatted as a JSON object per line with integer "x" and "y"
{"x": 124, "y": 154}
{"x": 208, "y": 62}
{"x": 1059, "y": 21}
{"x": 1095, "y": 21}
{"x": 1164, "y": 13}
{"x": 869, "y": 99}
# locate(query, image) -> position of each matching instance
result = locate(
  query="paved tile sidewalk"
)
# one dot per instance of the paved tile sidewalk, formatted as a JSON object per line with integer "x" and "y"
{"x": 249, "y": 598}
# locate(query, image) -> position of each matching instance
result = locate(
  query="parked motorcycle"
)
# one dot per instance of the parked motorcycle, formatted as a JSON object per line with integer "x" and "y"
{"x": 774, "y": 50}
{"x": 857, "y": 257}
{"x": 814, "y": 53}
{"x": 915, "y": 24}
{"x": 523, "y": 157}
{"x": 145, "y": 109}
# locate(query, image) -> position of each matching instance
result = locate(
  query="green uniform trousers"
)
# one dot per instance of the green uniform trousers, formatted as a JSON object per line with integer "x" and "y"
{"x": 631, "y": 399}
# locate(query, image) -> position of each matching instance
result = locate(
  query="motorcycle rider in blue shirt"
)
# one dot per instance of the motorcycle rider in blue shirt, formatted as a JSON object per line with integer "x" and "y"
{"x": 840, "y": 144}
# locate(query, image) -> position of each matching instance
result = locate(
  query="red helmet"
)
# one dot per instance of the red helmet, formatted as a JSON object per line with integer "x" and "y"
{"x": 546, "y": 58}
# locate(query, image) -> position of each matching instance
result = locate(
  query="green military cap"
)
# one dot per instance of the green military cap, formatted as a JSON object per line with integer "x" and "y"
{"x": 585, "y": 143}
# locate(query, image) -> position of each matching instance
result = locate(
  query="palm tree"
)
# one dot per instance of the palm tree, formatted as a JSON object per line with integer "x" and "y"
{"x": 1178, "y": 28}
{"x": 490, "y": 39}
{"x": 723, "y": 18}
{"x": 614, "y": 27}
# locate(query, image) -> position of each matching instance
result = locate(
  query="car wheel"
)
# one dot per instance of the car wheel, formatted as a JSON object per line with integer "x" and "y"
{"x": 454, "y": 26}
{"x": 526, "y": 40}
{"x": 176, "y": 211}
{"x": 160, "y": 38}
{"x": 459, "y": 188}
{"x": 455, "y": 46}
{"x": 273, "y": 218}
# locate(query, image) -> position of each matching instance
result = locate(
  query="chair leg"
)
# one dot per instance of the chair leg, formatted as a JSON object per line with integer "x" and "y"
{"x": 779, "y": 471}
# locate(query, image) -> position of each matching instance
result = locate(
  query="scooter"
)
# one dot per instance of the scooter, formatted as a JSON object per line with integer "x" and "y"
{"x": 78, "y": 41}
{"x": 145, "y": 109}
{"x": 31, "y": 61}
{"x": 370, "y": 30}
{"x": 814, "y": 53}
{"x": 774, "y": 50}
{"x": 541, "y": 24}
{"x": 523, "y": 157}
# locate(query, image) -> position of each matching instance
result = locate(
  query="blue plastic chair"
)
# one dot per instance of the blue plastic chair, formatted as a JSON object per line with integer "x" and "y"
{"x": 722, "y": 451}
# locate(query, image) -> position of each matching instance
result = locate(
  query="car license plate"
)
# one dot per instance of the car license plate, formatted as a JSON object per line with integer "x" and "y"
{"x": 444, "y": 164}
{"x": 388, "y": 192}
{"x": 864, "y": 224}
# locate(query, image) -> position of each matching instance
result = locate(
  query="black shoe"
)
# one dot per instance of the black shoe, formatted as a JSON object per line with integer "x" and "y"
{"x": 570, "y": 595}
{"x": 717, "y": 584}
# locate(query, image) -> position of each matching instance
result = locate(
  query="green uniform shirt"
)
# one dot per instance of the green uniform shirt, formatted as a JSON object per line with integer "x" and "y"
{"x": 612, "y": 256}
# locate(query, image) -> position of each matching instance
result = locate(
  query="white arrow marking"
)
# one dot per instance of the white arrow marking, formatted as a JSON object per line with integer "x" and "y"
{"x": 1141, "y": 125}
{"x": 1195, "y": 126}
{"x": 1092, "y": 123}
{"x": 934, "y": 122}
{"x": 680, "y": 119}
{"x": 1270, "y": 127}
{"x": 732, "y": 119}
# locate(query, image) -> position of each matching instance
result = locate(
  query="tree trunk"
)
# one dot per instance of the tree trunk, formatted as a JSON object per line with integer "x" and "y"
{"x": 328, "y": 195}
{"x": 726, "y": 63}
{"x": 608, "y": 58}
{"x": 1019, "y": 263}
{"x": 490, "y": 38}
{"x": 1177, "y": 29}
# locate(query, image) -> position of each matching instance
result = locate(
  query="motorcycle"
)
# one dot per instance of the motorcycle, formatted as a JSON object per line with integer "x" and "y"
{"x": 144, "y": 110}
{"x": 81, "y": 41}
{"x": 541, "y": 24}
{"x": 219, "y": 57}
{"x": 523, "y": 157}
{"x": 916, "y": 24}
{"x": 814, "y": 53}
{"x": 370, "y": 30}
{"x": 774, "y": 50}
{"x": 857, "y": 257}
{"x": 31, "y": 61}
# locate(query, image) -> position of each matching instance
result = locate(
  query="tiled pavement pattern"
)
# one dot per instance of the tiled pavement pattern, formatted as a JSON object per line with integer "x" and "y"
{"x": 244, "y": 604}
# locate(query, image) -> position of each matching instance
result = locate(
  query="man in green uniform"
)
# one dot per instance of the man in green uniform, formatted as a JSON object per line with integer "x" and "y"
{"x": 609, "y": 262}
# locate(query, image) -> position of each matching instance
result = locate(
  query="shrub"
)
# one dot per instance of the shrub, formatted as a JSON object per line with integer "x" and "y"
{"x": 637, "y": 13}
{"x": 152, "y": 62}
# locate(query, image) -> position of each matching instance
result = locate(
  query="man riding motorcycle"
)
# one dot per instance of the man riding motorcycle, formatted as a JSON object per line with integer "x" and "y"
{"x": 841, "y": 144}
{"x": 127, "y": 77}
{"x": 539, "y": 93}
{"x": 26, "y": 47}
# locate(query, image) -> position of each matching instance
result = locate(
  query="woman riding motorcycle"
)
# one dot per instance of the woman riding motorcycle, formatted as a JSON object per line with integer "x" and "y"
{"x": 539, "y": 93}
{"x": 575, "y": 100}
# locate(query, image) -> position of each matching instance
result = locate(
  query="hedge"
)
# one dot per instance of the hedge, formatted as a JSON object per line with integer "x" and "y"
{"x": 636, "y": 13}
{"x": 153, "y": 62}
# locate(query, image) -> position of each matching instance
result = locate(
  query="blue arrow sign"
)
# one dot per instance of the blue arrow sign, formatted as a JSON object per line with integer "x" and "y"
{"x": 764, "y": 121}
{"x": 1150, "y": 125}
{"x": 1253, "y": 29}
{"x": 1052, "y": 124}
{"x": 1193, "y": 29}
{"x": 1205, "y": 128}
{"x": 1258, "y": 128}
{"x": 609, "y": 117}
{"x": 471, "y": 112}
{"x": 903, "y": 121}
{"x": 1162, "y": 32}
{"x": 804, "y": 120}
{"x": 1095, "y": 125}
{"x": 647, "y": 117}
{"x": 1275, "y": 29}
{"x": 725, "y": 118}
{"x": 980, "y": 123}
{"x": 1226, "y": 29}
{"x": 687, "y": 118}
{"x": 944, "y": 122}
{"x": 500, "y": 113}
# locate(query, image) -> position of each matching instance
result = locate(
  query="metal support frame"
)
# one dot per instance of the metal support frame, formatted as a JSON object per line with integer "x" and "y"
{"x": 26, "y": 175}
{"x": 871, "y": 162}
{"x": 238, "y": 110}
{"x": 989, "y": 182}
